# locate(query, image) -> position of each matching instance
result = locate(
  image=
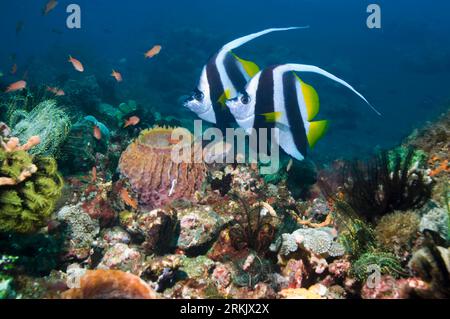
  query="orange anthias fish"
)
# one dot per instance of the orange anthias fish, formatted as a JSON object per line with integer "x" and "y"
{"x": 50, "y": 6}
{"x": 97, "y": 133}
{"x": 134, "y": 120}
{"x": 153, "y": 51}
{"x": 56, "y": 91}
{"x": 117, "y": 76}
{"x": 16, "y": 86}
{"x": 13, "y": 69}
{"x": 127, "y": 198}
{"x": 173, "y": 141}
{"x": 76, "y": 64}
{"x": 94, "y": 174}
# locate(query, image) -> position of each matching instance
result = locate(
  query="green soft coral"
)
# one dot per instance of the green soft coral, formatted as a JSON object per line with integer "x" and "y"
{"x": 26, "y": 206}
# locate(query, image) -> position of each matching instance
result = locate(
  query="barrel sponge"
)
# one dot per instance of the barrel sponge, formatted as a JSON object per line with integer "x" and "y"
{"x": 29, "y": 189}
{"x": 153, "y": 175}
{"x": 110, "y": 284}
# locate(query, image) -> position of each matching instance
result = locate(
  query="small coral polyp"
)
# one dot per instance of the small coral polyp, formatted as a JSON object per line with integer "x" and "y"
{"x": 156, "y": 179}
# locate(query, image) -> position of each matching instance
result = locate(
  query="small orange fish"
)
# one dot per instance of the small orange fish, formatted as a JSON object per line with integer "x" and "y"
{"x": 56, "y": 91}
{"x": 127, "y": 198}
{"x": 173, "y": 141}
{"x": 76, "y": 64}
{"x": 16, "y": 86}
{"x": 50, "y": 6}
{"x": 94, "y": 174}
{"x": 97, "y": 133}
{"x": 13, "y": 69}
{"x": 153, "y": 51}
{"x": 134, "y": 120}
{"x": 117, "y": 76}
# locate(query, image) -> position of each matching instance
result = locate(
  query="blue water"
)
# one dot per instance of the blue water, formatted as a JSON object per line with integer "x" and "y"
{"x": 403, "y": 69}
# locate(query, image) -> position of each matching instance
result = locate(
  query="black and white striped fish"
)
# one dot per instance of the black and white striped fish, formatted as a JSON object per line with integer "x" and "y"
{"x": 277, "y": 97}
{"x": 222, "y": 78}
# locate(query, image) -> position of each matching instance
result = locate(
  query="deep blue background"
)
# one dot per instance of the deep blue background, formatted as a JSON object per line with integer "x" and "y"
{"x": 403, "y": 69}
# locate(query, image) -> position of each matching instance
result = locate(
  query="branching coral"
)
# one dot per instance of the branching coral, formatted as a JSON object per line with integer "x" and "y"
{"x": 389, "y": 182}
{"x": 48, "y": 121}
{"x": 29, "y": 187}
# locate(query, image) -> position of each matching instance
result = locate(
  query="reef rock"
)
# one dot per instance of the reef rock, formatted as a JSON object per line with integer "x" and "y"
{"x": 199, "y": 225}
{"x": 434, "y": 218}
{"x": 155, "y": 176}
{"x": 156, "y": 227}
{"x": 122, "y": 257}
{"x": 81, "y": 231}
{"x": 318, "y": 241}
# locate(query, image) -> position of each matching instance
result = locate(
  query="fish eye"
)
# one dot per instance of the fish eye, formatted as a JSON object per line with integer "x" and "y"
{"x": 198, "y": 95}
{"x": 245, "y": 99}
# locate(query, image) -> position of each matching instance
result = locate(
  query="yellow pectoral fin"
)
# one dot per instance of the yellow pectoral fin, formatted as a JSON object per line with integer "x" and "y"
{"x": 250, "y": 67}
{"x": 224, "y": 97}
{"x": 272, "y": 117}
{"x": 316, "y": 131}
{"x": 311, "y": 99}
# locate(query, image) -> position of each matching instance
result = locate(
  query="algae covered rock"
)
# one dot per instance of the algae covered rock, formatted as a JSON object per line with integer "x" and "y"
{"x": 122, "y": 257}
{"x": 81, "y": 230}
{"x": 199, "y": 225}
{"x": 436, "y": 219}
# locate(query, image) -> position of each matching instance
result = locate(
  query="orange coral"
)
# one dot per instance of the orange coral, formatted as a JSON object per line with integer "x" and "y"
{"x": 110, "y": 284}
{"x": 154, "y": 176}
{"x": 442, "y": 166}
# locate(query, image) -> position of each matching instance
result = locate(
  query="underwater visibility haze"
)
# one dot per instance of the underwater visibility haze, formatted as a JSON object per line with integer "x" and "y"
{"x": 119, "y": 179}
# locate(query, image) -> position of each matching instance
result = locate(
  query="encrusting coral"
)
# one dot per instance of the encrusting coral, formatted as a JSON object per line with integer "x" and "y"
{"x": 29, "y": 186}
{"x": 153, "y": 174}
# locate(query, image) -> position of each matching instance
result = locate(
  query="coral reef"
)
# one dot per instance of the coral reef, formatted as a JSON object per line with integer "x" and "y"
{"x": 29, "y": 187}
{"x": 154, "y": 176}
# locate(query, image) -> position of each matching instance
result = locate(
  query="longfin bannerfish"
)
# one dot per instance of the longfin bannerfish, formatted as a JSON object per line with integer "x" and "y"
{"x": 223, "y": 76}
{"x": 277, "y": 97}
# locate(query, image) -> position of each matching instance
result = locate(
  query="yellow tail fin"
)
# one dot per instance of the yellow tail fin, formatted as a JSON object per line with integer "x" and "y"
{"x": 316, "y": 131}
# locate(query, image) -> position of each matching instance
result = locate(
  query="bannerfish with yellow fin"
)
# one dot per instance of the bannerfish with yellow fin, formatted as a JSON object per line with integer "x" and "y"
{"x": 223, "y": 76}
{"x": 277, "y": 98}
